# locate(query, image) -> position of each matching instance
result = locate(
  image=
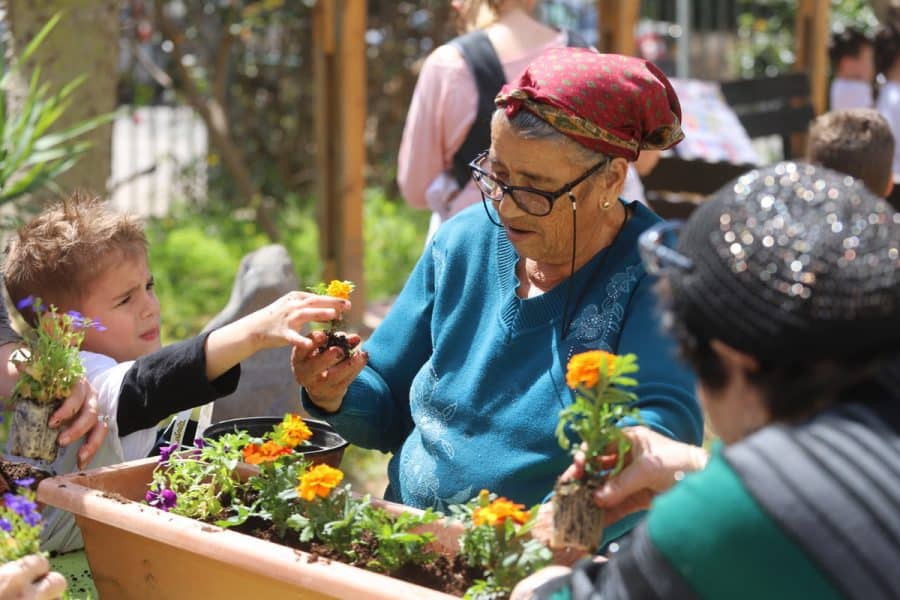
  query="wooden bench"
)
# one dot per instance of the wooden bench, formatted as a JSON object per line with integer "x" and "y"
{"x": 766, "y": 106}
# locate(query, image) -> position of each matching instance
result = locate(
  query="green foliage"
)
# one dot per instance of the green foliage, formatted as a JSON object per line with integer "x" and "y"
{"x": 257, "y": 56}
{"x": 203, "y": 481}
{"x": 294, "y": 495}
{"x": 194, "y": 272}
{"x": 274, "y": 488}
{"x": 598, "y": 409}
{"x": 396, "y": 541}
{"x": 394, "y": 236}
{"x": 497, "y": 539}
{"x": 49, "y": 362}
{"x": 32, "y": 152}
{"x": 766, "y": 32}
{"x": 195, "y": 253}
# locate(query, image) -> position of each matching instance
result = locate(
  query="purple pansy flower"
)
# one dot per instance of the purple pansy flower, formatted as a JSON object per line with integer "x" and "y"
{"x": 25, "y": 302}
{"x": 164, "y": 500}
{"x": 5, "y": 525}
{"x": 165, "y": 452}
{"x": 25, "y": 508}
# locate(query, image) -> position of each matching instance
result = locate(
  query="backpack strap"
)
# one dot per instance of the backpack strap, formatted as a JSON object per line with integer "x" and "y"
{"x": 479, "y": 54}
{"x": 831, "y": 484}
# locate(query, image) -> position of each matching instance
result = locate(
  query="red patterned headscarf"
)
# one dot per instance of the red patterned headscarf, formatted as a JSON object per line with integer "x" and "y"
{"x": 613, "y": 104}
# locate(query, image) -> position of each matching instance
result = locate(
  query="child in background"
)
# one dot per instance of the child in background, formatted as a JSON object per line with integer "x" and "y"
{"x": 857, "y": 142}
{"x": 78, "y": 255}
{"x": 853, "y": 70}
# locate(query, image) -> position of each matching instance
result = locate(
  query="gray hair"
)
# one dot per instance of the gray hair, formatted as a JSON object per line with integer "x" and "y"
{"x": 529, "y": 126}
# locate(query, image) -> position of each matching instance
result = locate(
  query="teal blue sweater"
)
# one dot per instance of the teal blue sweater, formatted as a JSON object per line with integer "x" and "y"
{"x": 465, "y": 380}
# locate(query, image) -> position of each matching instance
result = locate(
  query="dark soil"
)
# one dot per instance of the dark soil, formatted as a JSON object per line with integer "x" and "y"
{"x": 451, "y": 576}
{"x": 10, "y": 472}
{"x": 339, "y": 340}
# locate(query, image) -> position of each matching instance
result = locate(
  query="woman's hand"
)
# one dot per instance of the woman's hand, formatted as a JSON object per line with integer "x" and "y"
{"x": 653, "y": 465}
{"x": 326, "y": 373}
{"x": 78, "y": 413}
{"x": 30, "y": 578}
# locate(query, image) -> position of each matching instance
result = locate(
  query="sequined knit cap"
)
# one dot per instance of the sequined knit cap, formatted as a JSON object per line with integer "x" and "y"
{"x": 613, "y": 104}
{"x": 793, "y": 263}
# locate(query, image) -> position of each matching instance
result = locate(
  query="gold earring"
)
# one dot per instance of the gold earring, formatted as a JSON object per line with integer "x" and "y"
{"x": 606, "y": 204}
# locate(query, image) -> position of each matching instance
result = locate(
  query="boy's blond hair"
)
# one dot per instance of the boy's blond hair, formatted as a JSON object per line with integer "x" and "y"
{"x": 60, "y": 252}
{"x": 855, "y": 141}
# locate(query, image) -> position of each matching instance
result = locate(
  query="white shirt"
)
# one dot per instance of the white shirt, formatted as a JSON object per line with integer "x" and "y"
{"x": 850, "y": 93}
{"x": 105, "y": 374}
{"x": 889, "y": 106}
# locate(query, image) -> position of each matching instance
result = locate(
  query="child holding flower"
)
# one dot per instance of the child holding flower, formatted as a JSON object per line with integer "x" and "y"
{"x": 80, "y": 256}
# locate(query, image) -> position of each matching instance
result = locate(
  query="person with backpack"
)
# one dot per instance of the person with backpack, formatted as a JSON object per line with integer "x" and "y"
{"x": 448, "y": 122}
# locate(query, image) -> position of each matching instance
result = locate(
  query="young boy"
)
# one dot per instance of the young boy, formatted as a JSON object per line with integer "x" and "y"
{"x": 852, "y": 57}
{"x": 857, "y": 142}
{"x": 78, "y": 255}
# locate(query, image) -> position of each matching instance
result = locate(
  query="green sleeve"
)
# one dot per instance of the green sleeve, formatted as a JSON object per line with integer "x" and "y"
{"x": 718, "y": 538}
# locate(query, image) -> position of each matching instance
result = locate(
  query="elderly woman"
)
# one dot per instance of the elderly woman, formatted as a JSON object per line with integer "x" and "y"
{"x": 784, "y": 292}
{"x": 465, "y": 378}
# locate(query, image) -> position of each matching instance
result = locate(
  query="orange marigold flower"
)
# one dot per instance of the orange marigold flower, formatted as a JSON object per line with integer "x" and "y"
{"x": 586, "y": 368}
{"x": 292, "y": 431}
{"x": 256, "y": 454}
{"x": 498, "y": 511}
{"x": 319, "y": 481}
{"x": 339, "y": 289}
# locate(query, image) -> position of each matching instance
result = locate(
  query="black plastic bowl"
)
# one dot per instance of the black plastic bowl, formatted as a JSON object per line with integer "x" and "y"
{"x": 325, "y": 445}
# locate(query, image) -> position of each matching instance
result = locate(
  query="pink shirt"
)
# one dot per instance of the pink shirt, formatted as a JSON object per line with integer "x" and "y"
{"x": 442, "y": 110}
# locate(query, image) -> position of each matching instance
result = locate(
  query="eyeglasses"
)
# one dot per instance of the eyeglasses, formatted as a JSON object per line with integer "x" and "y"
{"x": 657, "y": 247}
{"x": 533, "y": 201}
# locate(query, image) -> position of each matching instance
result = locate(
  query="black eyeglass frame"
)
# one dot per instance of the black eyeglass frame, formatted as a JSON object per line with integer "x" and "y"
{"x": 551, "y": 197}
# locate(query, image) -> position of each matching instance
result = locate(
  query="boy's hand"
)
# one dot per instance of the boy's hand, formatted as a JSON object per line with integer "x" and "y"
{"x": 79, "y": 415}
{"x": 280, "y": 323}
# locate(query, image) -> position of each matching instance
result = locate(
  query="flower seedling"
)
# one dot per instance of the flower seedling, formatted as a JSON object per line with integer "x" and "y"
{"x": 599, "y": 407}
{"x": 497, "y": 539}
{"x": 49, "y": 368}
{"x": 336, "y": 289}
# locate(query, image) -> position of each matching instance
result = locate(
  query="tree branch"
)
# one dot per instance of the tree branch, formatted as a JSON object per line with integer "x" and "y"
{"x": 213, "y": 114}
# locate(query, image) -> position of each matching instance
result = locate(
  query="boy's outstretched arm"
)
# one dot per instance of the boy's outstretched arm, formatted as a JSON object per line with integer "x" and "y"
{"x": 276, "y": 325}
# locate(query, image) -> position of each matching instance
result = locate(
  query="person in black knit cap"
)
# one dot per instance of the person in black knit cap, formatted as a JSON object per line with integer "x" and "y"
{"x": 784, "y": 294}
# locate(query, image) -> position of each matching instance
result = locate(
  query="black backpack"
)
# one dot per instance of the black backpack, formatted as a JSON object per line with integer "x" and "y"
{"x": 482, "y": 59}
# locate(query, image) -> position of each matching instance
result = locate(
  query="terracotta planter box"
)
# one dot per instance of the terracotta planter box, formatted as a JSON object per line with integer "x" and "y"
{"x": 136, "y": 551}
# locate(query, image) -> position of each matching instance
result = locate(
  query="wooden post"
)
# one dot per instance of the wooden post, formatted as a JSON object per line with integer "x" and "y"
{"x": 811, "y": 31}
{"x": 811, "y": 48}
{"x": 616, "y": 21}
{"x": 340, "y": 77}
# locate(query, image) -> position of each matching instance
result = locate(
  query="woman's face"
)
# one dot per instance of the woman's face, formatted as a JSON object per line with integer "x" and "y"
{"x": 736, "y": 408}
{"x": 548, "y": 165}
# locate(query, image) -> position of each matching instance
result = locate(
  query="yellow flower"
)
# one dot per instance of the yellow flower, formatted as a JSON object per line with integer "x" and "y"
{"x": 498, "y": 511}
{"x": 339, "y": 289}
{"x": 318, "y": 481}
{"x": 292, "y": 431}
{"x": 255, "y": 454}
{"x": 587, "y": 368}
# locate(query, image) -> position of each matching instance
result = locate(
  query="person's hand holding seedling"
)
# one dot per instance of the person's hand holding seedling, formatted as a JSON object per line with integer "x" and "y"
{"x": 325, "y": 372}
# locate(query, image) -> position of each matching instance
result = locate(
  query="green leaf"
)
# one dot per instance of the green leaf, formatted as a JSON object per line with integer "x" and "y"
{"x": 37, "y": 40}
